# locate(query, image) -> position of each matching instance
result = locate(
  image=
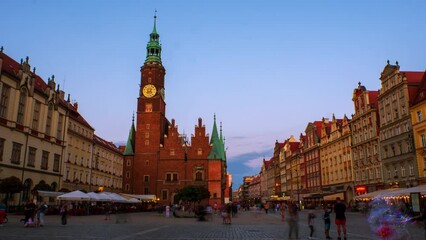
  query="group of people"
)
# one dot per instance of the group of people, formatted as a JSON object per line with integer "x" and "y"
{"x": 340, "y": 220}
{"x": 34, "y": 214}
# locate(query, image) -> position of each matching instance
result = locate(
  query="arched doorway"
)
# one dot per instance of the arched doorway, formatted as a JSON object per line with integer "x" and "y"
{"x": 28, "y": 184}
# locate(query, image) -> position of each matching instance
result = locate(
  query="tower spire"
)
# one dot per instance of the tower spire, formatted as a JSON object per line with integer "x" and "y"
{"x": 153, "y": 48}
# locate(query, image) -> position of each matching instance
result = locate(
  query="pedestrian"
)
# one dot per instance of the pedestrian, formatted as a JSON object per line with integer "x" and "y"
{"x": 2, "y": 213}
{"x": 107, "y": 211}
{"x": 340, "y": 209}
{"x": 229, "y": 213}
{"x": 42, "y": 211}
{"x": 293, "y": 217}
{"x": 266, "y": 207}
{"x": 282, "y": 211}
{"x": 327, "y": 222}
{"x": 311, "y": 218}
{"x": 168, "y": 211}
{"x": 64, "y": 212}
{"x": 29, "y": 212}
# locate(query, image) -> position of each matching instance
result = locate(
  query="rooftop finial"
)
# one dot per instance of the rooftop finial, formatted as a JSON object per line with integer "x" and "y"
{"x": 387, "y": 61}
{"x": 1, "y": 49}
{"x": 27, "y": 59}
{"x": 133, "y": 118}
{"x": 397, "y": 63}
{"x": 359, "y": 84}
{"x": 34, "y": 70}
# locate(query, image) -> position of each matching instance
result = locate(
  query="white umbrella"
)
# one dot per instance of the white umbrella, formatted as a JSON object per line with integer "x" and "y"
{"x": 75, "y": 196}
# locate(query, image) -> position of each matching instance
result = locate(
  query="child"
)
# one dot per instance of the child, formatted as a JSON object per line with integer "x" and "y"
{"x": 327, "y": 222}
{"x": 311, "y": 217}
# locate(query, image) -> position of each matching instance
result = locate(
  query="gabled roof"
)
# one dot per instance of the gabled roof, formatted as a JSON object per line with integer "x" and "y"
{"x": 420, "y": 95}
{"x": 109, "y": 145}
{"x": 414, "y": 80}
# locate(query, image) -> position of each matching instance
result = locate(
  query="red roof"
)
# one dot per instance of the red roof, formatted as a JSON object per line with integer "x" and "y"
{"x": 373, "y": 97}
{"x": 109, "y": 145}
{"x": 414, "y": 80}
{"x": 421, "y": 91}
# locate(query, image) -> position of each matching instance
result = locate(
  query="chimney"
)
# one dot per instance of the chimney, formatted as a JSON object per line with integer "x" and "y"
{"x": 75, "y": 105}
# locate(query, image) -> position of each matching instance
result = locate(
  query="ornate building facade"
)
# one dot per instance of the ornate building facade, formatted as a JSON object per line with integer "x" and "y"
{"x": 158, "y": 159}
{"x": 367, "y": 164}
{"x": 396, "y": 134}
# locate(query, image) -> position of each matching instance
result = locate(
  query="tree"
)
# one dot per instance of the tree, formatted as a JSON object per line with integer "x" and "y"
{"x": 193, "y": 194}
{"x": 11, "y": 185}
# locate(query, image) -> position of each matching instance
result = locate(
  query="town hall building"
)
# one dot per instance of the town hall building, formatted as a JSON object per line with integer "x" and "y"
{"x": 158, "y": 160}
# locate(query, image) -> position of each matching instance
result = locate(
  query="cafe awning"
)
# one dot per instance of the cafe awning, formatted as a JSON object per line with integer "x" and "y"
{"x": 332, "y": 197}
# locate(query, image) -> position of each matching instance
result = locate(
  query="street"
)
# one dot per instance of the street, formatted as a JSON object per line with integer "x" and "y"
{"x": 151, "y": 225}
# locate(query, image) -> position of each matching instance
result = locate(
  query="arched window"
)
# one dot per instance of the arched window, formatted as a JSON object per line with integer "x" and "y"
{"x": 199, "y": 176}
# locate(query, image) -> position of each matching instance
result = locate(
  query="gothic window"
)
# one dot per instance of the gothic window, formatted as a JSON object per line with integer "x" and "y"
{"x": 4, "y": 100}
{"x": 129, "y": 163}
{"x": 199, "y": 176}
{"x": 127, "y": 174}
{"x": 148, "y": 107}
{"x": 59, "y": 130}
{"x": 36, "y": 115}
{"x": 21, "y": 107}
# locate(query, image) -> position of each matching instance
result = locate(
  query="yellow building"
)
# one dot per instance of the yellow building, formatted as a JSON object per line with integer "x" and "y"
{"x": 418, "y": 119}
{"x": 79, "y": 156}
{"x": 33, "y": 119}
{"x": 336, "y": 160}
{"x": 396, "y": 133}
{"x": 367, "y": 164}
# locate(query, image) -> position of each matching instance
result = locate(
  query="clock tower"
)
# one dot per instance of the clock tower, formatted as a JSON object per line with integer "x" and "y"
{"x": 151, "y": 117}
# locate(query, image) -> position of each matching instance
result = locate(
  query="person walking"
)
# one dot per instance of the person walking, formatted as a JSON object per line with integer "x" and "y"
{"x": 64, "y": 212}
{"x": 42, "y": 211}
{"x": 282, "y": 211}
{"x": 266, "y": 207}
{"x": 293, "y": 217}
{"x": 340, "y": 209}
{"x": 327, "y": 222}
{"x": 311, "y": 221}
{"x": 2, "y": 213}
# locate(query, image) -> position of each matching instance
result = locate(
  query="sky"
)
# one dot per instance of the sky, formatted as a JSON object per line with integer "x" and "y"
{"x": 265, "y": 67}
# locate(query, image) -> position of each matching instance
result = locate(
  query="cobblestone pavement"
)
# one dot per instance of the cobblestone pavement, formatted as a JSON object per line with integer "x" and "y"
{"x": 150, "y": 225}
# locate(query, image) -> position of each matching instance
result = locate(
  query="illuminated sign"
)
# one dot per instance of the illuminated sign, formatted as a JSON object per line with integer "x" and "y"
{"x": 360, "y": 189}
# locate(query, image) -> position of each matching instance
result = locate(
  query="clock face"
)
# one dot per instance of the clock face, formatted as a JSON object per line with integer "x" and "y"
{"x": 149, "y": 91}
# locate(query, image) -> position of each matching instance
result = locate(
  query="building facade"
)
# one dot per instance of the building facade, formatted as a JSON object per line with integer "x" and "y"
{"x": 162, "y": 160}
{"x": 33, "y": 119}
{"x": 396, "y": 134}
{"x": 367, "y": 164}
{"x": 418, "y": 116}
{"x": 336, "y": 160}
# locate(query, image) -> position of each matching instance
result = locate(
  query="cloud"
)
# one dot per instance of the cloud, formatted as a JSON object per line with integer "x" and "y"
{"x": 254, "y": 163}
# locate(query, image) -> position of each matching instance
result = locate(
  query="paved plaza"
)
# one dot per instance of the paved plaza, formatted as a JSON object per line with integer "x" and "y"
{"x": 151, "y": 225}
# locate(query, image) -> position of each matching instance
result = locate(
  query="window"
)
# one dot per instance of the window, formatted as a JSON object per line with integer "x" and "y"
{"x": 403, "y": 171}
{"x": 148, "y": 126}
{"x": 419, "y": 116}
{"x": 1, "y": 148}
{"x": 378, "y": 173}
{"x": 49, "y": 119}
{"x": 44, "y": 160}
{"x": 199, "y": 176}
{"x": 16, "y": 153}
{"x": 171, "y": 177}
{"x": 148, "y": 107}
{"x": 127, "y": 187}
{"x": 147, "y": 135}
{"x": 129, "y": 163}
{"x": 172, "y": 152}
{"x": 31, "y": 156}
{"x": 56, "y": 160}
{"x": 423, "y": 139}
{"x": 59, "y": 131}
{"x": 21, "y": 107}
{"x": 36, "y": 115}
{"x": 164, "y": 194}
{"x": 127, "y": 174}
{"x": 199, "y": 151}
{"x": 4, "y": 100}
{"x": 411, "y": 169}
{"x": 146, "y": 178}
{"x": 395, "y": 172}
{"x": 146, "y": 142}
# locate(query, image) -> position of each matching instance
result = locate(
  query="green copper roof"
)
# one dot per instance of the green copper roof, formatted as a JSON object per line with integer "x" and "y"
{"x": 131, "y": 140}
{"x": 217, "y": 151}
{"x": 153, "y": 48}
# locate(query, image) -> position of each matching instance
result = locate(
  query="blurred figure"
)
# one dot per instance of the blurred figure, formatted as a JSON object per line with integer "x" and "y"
{"x": 327, "y": 222}
{"x": 340, "y": 209}
{"x": 2, "y": 213}
{"x": 293, "y": 217}
{"x": 311, "y": 222}
{"x": 282, "y": 211}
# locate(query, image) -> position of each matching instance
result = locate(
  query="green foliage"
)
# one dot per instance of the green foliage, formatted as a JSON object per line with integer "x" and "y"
{"x": 42, "y": 186}
{"x": 11, "y": 185}
{"x": 193, "y": 194}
